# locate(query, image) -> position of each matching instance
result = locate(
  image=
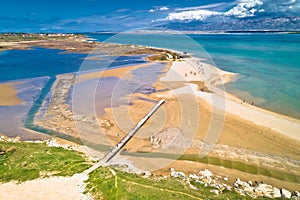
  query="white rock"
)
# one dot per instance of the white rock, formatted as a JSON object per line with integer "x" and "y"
{"x": 200, "y": 182}
{"x": 192, "y": 186}
{"x": 238, "y": 183}
{"x": 249, "y": 190}
{"x": 250, "y": 183}
{"x": 229, "y": 188}
{"x": 226, "y": 178}
{"x": 147, "y": 174}
{"x": 286, "y": 194}
{"x": 207, "y": 180}
{"x": 206, "y": 173}
{"x": 264, "y": 190}
{"x": 193, "y": 176}
{"x": 297, "y": 194}
{"x": 177, "y": 174}
{"x": 181, "y": 174}
{"x": 240, "y": 192}
{"x": 216, "y": 192}
{"x": 276, "y": 193}
{"x": 217, "y": 186}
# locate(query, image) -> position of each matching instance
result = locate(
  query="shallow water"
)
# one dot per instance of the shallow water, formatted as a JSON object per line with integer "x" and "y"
{"x": 12, "y": 118}
{"x": 97, "y": 94}
{"x": 268, "y": 64}
{"x": 34, "y": 68}
{"x": 39, "y": 62}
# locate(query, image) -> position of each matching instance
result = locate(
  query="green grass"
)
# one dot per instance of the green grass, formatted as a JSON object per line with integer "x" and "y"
{"x": 17, "y": 37}
{"x": 102, "y": 185}
{"x": 26, "y": 161}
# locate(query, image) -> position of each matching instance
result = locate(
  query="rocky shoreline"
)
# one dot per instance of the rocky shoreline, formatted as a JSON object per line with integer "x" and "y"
{"x": 219, "y": 185}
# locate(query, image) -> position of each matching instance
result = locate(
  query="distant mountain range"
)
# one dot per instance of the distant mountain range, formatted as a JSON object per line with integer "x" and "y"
{"x": 250, "y": 24}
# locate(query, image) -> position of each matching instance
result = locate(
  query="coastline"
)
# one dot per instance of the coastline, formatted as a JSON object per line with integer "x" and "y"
{"x": 284, "y": 124}
{"x": 233, "y": 101}
{"x": 238, "y": 123}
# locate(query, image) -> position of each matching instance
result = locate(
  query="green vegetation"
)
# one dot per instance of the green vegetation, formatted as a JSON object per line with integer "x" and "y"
{"x": 22, "y": 161}
{"x": 163, "y": 56}
{"x": 103, "y": 184}
{"x": 17, "y": 37}
{"x": 294, "y": 32}
{"x": 159, "y": 57}
{"x": 26, "y": 161}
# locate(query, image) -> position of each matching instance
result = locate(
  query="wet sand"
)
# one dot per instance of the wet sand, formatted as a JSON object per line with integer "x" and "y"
{"x": 123, "y": 72}
{"x": 259, "y": 135}
{"x": 236, "y": 132}
{"x": 8, "y": 95}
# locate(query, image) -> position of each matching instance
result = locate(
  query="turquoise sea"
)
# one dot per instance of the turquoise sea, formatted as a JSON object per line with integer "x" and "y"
{"x": 268, "y": 64}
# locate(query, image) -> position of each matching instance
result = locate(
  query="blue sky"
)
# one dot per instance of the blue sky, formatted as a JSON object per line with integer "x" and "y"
{"x": 120, "y": 15}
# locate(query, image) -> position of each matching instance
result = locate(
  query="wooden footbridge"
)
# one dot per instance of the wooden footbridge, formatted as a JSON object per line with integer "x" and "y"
{"x": 127, "y": 137}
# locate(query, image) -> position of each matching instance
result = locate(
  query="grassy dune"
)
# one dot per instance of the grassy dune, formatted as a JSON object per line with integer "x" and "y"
{"x": 26, "y": 161}
{"x": 22, "y": 161}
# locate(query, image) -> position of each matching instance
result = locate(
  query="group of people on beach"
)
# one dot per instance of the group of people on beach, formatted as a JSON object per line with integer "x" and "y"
{"x": 244, "y": 101}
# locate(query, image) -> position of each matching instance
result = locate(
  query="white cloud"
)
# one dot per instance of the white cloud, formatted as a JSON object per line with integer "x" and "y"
{"x": 215, "y": 5}
{"x": 162, "y": 8}
{"x": 251, "y": 8}
{"x": 245, "y": 8}
{"x": 240, "y": 9}
{"x": 192, "y": 15}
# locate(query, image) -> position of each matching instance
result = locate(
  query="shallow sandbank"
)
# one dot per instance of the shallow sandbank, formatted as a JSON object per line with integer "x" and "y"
{"x": 9, "y": 95}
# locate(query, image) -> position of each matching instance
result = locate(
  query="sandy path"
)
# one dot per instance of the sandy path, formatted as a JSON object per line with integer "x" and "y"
{"x": 59, "y": 188}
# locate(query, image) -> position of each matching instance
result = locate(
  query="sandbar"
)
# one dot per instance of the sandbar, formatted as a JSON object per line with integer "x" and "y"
{"x": 8, "y": 95}
{"x": 122, "y": 72}
{"x": 285, "y": 125}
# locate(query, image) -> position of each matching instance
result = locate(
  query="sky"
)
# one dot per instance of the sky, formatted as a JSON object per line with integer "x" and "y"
{"x": 120, "y": 15}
